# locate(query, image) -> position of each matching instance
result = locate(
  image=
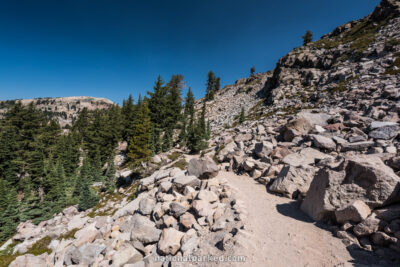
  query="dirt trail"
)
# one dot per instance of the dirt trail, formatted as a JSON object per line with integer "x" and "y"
{"x": 277, "y": 233}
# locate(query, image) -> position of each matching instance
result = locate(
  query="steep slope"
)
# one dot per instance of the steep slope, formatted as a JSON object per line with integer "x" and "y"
{"x": 64, "y": 109}
{"x": 352, "y": 66}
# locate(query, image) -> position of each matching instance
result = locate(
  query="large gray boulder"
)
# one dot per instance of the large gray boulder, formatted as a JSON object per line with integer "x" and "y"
{"x": 302, "y": 124}
{"x": 323, "y": 142}
{"x": 203, "y": 168}
{"x": 181, "y": 182}
{"x": 362, "y": 177}
{"x": 292, "y": 181}
{"x": 306, "y": 156}
{"x": 170, "y": 241}
{"x": 384, "y": 130}
{"x": 29, "y": 260}
{"x": 125, "y": 254}
{"x": 263, "y": 149}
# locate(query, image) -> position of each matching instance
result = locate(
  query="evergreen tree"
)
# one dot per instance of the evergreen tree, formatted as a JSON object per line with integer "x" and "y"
{"x": 128, "y": 113}
{"x": 174, "y": 100}
{"x": 213, "y": 85}
{"x": 167, "y": 139}
{"x": 139, "y": 149}
{"x": 8, "y": 155}
{"x": 252, "y": 70}
{"x": 307, "y": 37}
{"x": 87, "y": 199}
{"x": 110, "y": 178}
{"x": 242, "y": 116}
{"x": 9, "y": 219}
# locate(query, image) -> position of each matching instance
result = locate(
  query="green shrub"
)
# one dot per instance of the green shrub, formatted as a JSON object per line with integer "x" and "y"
{"x": 40, "y": 247}
{"x": 181, "y": 164}
{"x": 174, "y": 155}
{"x": 68, "y": 235}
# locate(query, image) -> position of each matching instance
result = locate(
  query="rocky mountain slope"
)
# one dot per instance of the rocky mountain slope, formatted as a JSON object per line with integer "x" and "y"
{"x": 64, "y": 109}
{"x": 321, "y": 143}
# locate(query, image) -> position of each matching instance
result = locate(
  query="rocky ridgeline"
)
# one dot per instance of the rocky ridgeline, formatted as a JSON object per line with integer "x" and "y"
{"x": 176, "y": 213}
{"x": 353, "y": 67}
{"x": 64, "y": 109}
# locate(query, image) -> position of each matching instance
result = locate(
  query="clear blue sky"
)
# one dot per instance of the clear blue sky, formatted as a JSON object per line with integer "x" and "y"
{"x": 117, "y": 47}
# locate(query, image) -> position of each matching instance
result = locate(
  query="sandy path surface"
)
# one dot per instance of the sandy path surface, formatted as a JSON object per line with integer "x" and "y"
{"x": 277, "y": 233}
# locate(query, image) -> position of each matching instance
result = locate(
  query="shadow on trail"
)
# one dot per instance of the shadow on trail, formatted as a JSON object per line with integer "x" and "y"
{"x": 292, "y": 210}
{"x": 361, "y": 257}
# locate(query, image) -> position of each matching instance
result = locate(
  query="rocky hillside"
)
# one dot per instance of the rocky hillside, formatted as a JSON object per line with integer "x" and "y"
{"x": 352, "y": 66}
{"x": 64, "y": 109}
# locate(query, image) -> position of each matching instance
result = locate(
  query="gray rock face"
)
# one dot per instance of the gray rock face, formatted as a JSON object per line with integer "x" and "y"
{"x": 29, "y": 260}
{"x": 306, "y": 156}
{"x": 146, "y": 234}
{"x": 355, "y": 212}
{"x": 323, "y": 142}
{"x": 125, "y": 254}
{"x": 182, "y": 181}
{"x": 385, "y": 132}
{"x": 177, "y": 209}
{"x": 203, "y": 168}
{"x": 146, "y": 206}
{"x": 170, "y": 241}
{"x": 263, "y": 149}
{"x": 292, "y": 181}
{"x": 368, "y": 226}
{"x": 364, "y": 178}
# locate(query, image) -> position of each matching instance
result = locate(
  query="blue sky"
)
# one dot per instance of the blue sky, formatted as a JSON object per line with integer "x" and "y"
{"x": 114, "y": 48}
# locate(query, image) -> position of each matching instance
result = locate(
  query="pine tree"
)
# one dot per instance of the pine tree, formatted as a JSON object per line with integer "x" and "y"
{"x": 87, "y": 198}
{"x": 128, "y": 112}
{"x": 8, "y": 155}
{"x": 167, "y": 140}
{"x": 139, "y": 149}
{"x": 202, "y": 121}
{"x": 252, "y": 70}
{"x": 174, "y": 100}
{"x": 307, "y": 37}
{"x": 9, "y": 220}
{"x": 110, "y": 177}
{"x": 242, "y": 116}
{"x": 213, "y": 85}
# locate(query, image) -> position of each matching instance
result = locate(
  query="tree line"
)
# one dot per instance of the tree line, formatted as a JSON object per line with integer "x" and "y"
{"x": 44, "y": 168}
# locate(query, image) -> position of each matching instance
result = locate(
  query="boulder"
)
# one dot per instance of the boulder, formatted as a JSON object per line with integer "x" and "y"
{"x": 368, "y": 226}
{"x": 303, "y": 123}
{"x": 203, "y": 168}
{"x": 181, "y": 182}
{"x": 280, "y": 152}
{"x": 170, "y": 241}
{"x": 187, "y": 220}
{"x": 292, "y": 181}
{"x": 323, "y": 142}
{"x": 177, "y": 209}
{"x": 134, "y": 223}
{"x": 146, "y": 234}
{"x": 207, "y": 195}
{"x": 306, "y": 156}
{"x": 202, "y": 208}
{"x": 384, "y": 130}
{"x": 131, "y": 207}
{"x": 225, "y": 153}
{"x": 146, "y": 206}
{"x": 263, "y": 149}
{"x": 357, "y": 146}
{"x": 355, "y": 212}
{"x": 29, "y": 260}
{"x": 90, "y": 252}
{"x": 363, "y": 177}
{"x": 126, "y": 254}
